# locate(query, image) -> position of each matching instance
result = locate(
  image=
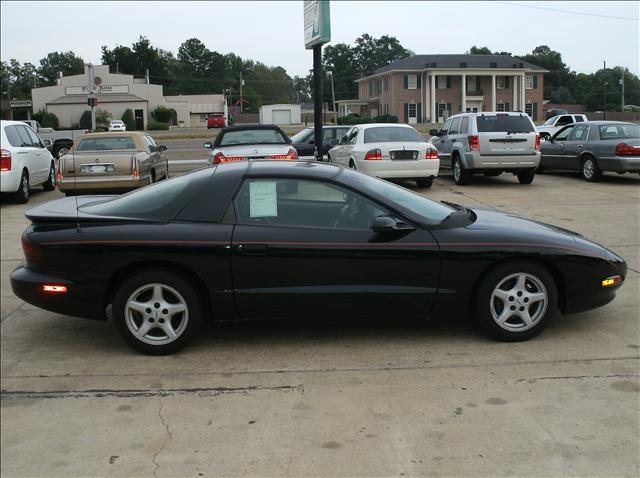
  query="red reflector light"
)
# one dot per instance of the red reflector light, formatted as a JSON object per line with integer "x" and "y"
{"x": 54, "y": 288}
{"x": 537, "y": 141}
{"x": 432, "y": 153}
{"x": 5, "y": 160}
{"x": 31, "y": 251}
{"x": 623, "y": 149}
{"x": 220, "y": 158}
{"x": 292, "y": 154}
{"x": 474, "y": 143}
{"x": 373, "y": 155}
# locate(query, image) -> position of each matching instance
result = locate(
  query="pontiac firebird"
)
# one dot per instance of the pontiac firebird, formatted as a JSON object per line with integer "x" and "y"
{"x": 282, "y": 239}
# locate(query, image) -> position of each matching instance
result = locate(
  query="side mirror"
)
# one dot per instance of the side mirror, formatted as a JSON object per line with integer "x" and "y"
{"x": 434, "y": 132}
{"x": 384, "y": 224}
{"x": 208, "y": 145}
{"x": 162, "y": 147}
{"x": 47, "y": 142}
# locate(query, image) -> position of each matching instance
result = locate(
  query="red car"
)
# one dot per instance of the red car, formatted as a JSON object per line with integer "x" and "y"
{"x": 216, "y": 120}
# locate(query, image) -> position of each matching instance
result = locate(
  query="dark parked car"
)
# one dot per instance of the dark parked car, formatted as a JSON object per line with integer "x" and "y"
{"x": 593, "y": 147}
{"x": 304, "y": 141}
{"x": 234, "y": 241}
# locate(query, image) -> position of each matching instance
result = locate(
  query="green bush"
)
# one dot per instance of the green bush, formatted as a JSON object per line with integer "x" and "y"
{"x": 386, "y": 119}
{"x": 163, "y": 115}
{"x": 85, "y": 120}
{"x": 157, "y": 126}
{"x": 129, "y": 122}
{"x": 46, "y": 119}
{"x": 103, "y": 118}
{"x": 354, "y": 119}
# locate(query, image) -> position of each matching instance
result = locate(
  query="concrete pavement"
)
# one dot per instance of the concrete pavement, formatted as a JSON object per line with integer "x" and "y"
{"x": 330, "y": 398}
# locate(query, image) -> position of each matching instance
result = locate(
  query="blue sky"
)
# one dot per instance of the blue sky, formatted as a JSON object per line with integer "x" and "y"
{"x": 272, "y": 32}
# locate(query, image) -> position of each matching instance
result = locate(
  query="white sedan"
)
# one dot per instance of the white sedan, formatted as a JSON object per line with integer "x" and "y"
{"x": 117, "y": 125}
{"x": 390, "y": 151}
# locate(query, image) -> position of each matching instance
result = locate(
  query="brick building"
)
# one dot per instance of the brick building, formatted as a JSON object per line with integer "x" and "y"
{"x": 429, "y": 88}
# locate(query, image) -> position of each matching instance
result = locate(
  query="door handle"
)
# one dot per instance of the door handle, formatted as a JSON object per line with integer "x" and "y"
{"x": 580, "y": 146}
{"x": 252, "y": 249}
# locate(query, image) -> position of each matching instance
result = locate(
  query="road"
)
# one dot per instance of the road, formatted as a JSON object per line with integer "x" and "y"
{"x": 331, "y": 398}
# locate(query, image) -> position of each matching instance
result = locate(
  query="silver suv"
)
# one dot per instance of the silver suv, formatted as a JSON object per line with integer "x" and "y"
{"x": 489, "y": 144}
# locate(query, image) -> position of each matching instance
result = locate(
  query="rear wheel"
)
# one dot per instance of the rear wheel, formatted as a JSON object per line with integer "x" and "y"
{"x": 157, "y": 312}
{"x": 590, "y": 170}
{"x": 424, "y": 183}
{"x": 21, "y": 196}
{"x": 50, "y": 183}
{"x": 461, "y": 176}
{"x": 61, "y": 149}
{"x": 352, "y": 164}
{"x": 526, "y": 176}
{"x": 515, "y": 301}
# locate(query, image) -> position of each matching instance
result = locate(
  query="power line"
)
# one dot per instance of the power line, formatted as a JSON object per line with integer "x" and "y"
{"x": 573, "y": 12}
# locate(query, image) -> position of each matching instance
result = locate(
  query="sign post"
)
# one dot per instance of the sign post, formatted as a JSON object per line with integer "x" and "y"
{"x": 317, "y": 31}
{"x": 91, "y": 98}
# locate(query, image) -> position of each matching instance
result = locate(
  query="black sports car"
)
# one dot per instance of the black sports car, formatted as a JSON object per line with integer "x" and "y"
{"x": 282, "y": 239}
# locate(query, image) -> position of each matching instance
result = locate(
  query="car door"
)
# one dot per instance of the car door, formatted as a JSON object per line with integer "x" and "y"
{"x": 308, "y": 250}
{"x": 305, "y": 145}
{"x": 553, "y": 149}
{"x": 39, "y": 161}
{"x": 157, "y": 156}
{"x": 343, "y": 151}
{"x": 574, "y": 146}
{"x": 443, "y": 143}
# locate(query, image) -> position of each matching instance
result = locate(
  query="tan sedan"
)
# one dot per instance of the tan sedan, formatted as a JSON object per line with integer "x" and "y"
{"x": 117, "y": 161}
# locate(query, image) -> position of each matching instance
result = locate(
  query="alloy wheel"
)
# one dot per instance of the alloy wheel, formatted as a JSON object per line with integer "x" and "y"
{"x": 457, "y": 170}
{"x": 588, "y": 168}
{"x": 156, "y": 314}
{"x": 518, "y": 302}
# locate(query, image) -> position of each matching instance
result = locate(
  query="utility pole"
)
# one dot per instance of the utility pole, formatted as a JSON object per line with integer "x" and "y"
{"x": 241, "y": 85}
{"x": 317, "y": 97}
{"x": 91, "y": 88}
{"x": 333, "y": 97}
{"x": 622, "y": 85}
{"x": 604, "y": 106}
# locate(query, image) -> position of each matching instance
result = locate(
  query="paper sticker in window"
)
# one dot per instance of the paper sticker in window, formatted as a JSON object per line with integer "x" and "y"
{"x": 263, "y": 199}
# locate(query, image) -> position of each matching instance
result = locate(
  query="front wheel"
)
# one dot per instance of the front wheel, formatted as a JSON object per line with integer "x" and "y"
{"x": 424, "y": 183}
{"x": 526, "y": 176}
{"x": 157, "y": 312}
{"x": 515, "y": 301}
{"x": 590, "y": 170}
{"x": 461, "y": 176}
{"x": 50, "y": 183}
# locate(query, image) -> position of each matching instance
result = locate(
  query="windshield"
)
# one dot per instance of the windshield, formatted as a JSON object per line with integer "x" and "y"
{"x": 550, "y": 121}
{"x": 107, "y": 143}
{"x": 504, "y": 123}
{"x": 252, "y": 136}
{"x": 159, "y": 201}
{"x": 302, "y": 136}
{"x": 116, "y": 122}
{"x": 619, "y": 131}
{"x": 392, "y": 134}
{"x": 417, "y": 206}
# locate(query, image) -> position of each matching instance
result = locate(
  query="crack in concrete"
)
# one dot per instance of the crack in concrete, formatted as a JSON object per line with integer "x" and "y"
{"x": 12, "y": 312}
{"x": 579, "y": 377}
{"x": 167, "y": 440}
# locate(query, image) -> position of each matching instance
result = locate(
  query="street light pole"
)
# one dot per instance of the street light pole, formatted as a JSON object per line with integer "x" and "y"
{"x": 333, "y": 97}
{"x": 604, "y": 106}
{"x": 317, "y": 97}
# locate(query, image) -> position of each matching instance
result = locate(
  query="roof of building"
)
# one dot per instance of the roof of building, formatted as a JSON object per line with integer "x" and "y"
{"x": 421, "y": 62}
{"x": 81, "y": 99}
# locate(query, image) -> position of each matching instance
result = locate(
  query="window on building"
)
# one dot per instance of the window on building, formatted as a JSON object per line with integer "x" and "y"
{"x": 471, "y": 83}
{"x": 528, "y": 82}
{"x": 528, "y": 108}
{"x": 413, "y": 110}
{"x": 500, "y": 82}
{"x": 442, "y": 107}
{"x": 500, "y": 107}
{"x": 203, "y": 118}
{"x": 386, "y": 108}
{"x": 441, "y": 82}
{"x": 412, "y": 82}
{"x": 386, "y": 84}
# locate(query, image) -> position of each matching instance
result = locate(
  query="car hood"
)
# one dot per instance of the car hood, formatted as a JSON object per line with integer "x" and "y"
{"x": 500, "y": 228}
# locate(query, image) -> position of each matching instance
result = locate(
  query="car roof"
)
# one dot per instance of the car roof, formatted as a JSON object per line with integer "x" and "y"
{"x": 250, "y": 127}
{"x": 112, "y": 133}
{"x": 10, "y": 122}
{"x": 374, "y": 125}
{"x": 601, "y": 122}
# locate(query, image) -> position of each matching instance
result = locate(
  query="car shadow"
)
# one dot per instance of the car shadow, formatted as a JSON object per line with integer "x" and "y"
{"x": 607, "y": 177}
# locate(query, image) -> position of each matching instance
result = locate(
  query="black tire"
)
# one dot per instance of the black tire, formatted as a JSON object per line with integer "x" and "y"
{"x": 21, "y": 196}
{"x": 526, "y": 176}
{"x": 425, "y": 183}
{"x": 484, "y": 295}
{"x": 352, "y": 164}
{"x": 61, "y": 147}
{"x": 174, "y": 281}
{"x": 461, "y": 176}
{"x": 50, "y": 183}
{"x": 589, "y": 169}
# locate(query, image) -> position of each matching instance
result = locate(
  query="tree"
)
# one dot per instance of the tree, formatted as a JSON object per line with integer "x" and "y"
{"x": 475, "y": 50}
{"x": 55, "y": 62}
{"x": 372, "y": 53}
{"x": 127, "y": 118}
{"x": 559, "y": 74}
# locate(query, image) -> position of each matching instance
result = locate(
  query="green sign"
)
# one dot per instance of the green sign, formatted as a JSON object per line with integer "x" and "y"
{"x": 317, "y": 26}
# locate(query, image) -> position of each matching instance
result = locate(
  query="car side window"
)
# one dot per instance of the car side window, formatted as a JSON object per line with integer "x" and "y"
{"x": 13, "y": 136}
{"x": 578, "y": 119}
{"x": 303, "y": 203}
{"x": 445, "y": 128}
{"x": 153, "y": 147}
{"x": 464, "y": 125}
{"x": 25, "y": 141}
{"x": 564, "y": 120}
{"x": 563, "y": 135}
{"x": 579, "y": 133}
{"x": 35, "y": 140}
{"x": 455, "y": 126}
{"x": 354, "y": 136}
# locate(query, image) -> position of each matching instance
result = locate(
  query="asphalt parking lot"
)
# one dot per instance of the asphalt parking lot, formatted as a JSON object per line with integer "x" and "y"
{"x": 332, "y": 398}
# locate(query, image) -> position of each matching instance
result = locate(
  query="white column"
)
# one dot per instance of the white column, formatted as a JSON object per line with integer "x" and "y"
{"x": 464, "y": 93}
{"x": 493, "y": 92}
{"x": 514, "y": 87}
{"x": 434, "y": 118}
{"x": 522, "y": 92}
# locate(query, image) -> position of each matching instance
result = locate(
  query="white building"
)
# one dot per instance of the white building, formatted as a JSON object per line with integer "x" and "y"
{"x": 119, "y": 92}
{"x": 280, "y": 114}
